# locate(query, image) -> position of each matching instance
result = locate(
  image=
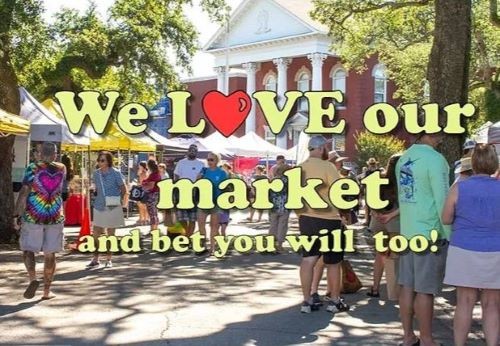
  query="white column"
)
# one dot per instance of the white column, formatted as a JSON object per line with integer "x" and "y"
{"x": 282, "y": 66}
{"x": 221, "y": 78}
{"x": 317, "y": 70}
{"x": 251, "y": 68}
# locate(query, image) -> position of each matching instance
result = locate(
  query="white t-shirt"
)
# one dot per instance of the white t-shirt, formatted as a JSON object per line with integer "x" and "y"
{"x": 188, "y": 169}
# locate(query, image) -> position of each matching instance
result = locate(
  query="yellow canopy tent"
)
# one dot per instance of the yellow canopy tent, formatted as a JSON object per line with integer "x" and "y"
{"x": 11, "y": 124}
{"x": 113, "y": 138}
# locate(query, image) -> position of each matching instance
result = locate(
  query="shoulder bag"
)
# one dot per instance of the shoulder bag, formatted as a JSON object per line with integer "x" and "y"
{"x": 109, "y": 201}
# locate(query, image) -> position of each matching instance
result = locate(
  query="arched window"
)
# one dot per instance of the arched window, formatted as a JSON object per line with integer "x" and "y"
{"x": 270, "y": 83}
{"x": 380, "y": 77}
{"x": 339, "y": 82}
{"x": 303, "y": 84}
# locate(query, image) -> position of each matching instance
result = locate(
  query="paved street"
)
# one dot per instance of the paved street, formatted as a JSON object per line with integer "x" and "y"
{"x": 183, "y": 299}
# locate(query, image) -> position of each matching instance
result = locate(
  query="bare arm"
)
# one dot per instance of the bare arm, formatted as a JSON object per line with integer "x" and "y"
{"x": 124, "y": 195}
{"x": 21, "y": 200}
{"x": 448, "y": 214}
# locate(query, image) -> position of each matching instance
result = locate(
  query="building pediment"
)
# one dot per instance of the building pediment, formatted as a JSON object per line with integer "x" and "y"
{"x": 257, "y": 21}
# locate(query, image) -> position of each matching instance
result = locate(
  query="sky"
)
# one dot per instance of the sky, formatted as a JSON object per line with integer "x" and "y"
{"x": 202, "y": 63}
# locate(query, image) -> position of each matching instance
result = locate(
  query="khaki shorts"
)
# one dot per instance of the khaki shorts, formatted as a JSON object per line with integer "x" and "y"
{"x": 46, "y": 238}
{"x": 390, "y": 227}
{"x": 424, "y": 272}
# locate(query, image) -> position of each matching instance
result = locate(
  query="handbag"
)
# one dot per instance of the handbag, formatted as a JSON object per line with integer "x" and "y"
{"x": 137, "y": 193}
{"x": 110, "y": 201}
{"x": 350, "y": 281}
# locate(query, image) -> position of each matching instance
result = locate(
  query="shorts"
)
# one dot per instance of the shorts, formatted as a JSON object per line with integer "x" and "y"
{"x": 424, "y": 272}
{"x": 210, "y": 211}
{"x": 47, "y": 238}
{"x": 310, "y": 226}
{"x": 392, "y": 226}
{"x": 187, "y": 214}
{"x": 223, "y": 217}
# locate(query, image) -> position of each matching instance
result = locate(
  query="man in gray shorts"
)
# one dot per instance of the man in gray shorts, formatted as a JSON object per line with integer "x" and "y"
{"x": 423, "y": 183}
{"x": 39, "y": 209}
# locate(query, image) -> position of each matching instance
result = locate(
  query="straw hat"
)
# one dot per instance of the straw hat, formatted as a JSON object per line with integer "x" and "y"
{"x": 464, "y": 166}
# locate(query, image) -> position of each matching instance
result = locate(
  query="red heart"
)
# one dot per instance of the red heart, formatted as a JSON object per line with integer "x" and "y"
{"x": 226, "y": 113}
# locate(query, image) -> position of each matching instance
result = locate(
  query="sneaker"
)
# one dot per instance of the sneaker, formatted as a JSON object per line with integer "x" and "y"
{"x": 93, "y": 264}
{"x": 108, "y": 264}
{"x": 339, "y": 306}
{"x": 305, "y": 308}
{"x": 316, "y": 300}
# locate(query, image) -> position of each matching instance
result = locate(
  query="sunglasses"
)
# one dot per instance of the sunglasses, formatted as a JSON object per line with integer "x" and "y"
{"x": 102, "y": 160}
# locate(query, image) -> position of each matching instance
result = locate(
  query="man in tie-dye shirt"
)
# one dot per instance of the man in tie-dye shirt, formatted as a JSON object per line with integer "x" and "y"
{"x": 39, "y": 207}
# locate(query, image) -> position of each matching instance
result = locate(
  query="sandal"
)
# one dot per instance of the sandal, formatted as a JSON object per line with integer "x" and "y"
{"x": 31, "y": 289}
{"x": 372, "y": 293}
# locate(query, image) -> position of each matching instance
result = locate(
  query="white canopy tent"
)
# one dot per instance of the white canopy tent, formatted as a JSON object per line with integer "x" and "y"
{"x": 218, "y": 143}
{"x": 169, "y": 144}
{"x": 46, "y": 126}
{"x": 252, "y": 145}
{"x": 489, "y": 133}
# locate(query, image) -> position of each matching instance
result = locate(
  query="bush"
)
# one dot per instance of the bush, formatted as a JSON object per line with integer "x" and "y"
{"x": 381, "y": 147}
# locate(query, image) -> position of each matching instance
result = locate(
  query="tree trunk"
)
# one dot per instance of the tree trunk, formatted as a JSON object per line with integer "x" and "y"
{"x": 9, "y": 101}
{"x": 448, "y": 68}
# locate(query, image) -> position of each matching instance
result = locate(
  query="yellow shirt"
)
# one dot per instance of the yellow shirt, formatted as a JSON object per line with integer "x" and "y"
{"x": 327, "y": 172}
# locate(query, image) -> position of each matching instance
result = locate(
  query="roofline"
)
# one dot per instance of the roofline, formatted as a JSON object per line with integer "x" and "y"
{"x": 259, "y": 43}
{"x": 221, "y": 29}
{"x": 300, "y": 20}
{"x": 239, "y": 9}
{"x": 211, "y": 77}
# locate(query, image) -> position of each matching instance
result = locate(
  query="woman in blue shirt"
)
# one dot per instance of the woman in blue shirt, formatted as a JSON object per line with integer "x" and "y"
{"x": 473, "y": 262}
{"x": 216, "y": 175}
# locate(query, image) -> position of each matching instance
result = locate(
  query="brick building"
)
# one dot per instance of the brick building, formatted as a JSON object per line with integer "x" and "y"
{"x": 277, "y": 46}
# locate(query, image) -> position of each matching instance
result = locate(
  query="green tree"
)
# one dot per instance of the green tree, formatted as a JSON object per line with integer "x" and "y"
{"x": 453, "y": 45}
{"x": 125, "y": 52}
{"x": 381, "y": 147}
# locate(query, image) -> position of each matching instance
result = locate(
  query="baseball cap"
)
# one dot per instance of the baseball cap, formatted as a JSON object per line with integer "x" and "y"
{"x": 317, "y": 142}
{"x": 469, "y": 144}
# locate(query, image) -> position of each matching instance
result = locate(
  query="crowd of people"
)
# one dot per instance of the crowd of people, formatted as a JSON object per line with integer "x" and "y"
{"x": 419, "y": 197}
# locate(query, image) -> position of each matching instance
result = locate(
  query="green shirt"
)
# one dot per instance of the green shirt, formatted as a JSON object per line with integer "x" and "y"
{"x": 423, "y": 184}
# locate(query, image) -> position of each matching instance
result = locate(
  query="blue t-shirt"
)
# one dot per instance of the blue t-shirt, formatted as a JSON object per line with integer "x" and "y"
{"x": 216, "y": 176}
{"x": 112, "y": 181}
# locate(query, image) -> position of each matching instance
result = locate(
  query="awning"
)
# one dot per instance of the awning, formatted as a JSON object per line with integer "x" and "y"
{"x": 11, "y": 124}
{"x": 77, "y": 141}
{"x": 114, "y": 139}
{"x": 251, "y": 145}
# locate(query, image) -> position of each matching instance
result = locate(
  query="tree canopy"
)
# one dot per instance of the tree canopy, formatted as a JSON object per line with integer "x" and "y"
{"x": 134, "y": 50}
{"x": 401, "y": 32}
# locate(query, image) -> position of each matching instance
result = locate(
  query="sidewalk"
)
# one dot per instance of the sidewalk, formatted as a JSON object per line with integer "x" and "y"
{"x": 183, "y": 299}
